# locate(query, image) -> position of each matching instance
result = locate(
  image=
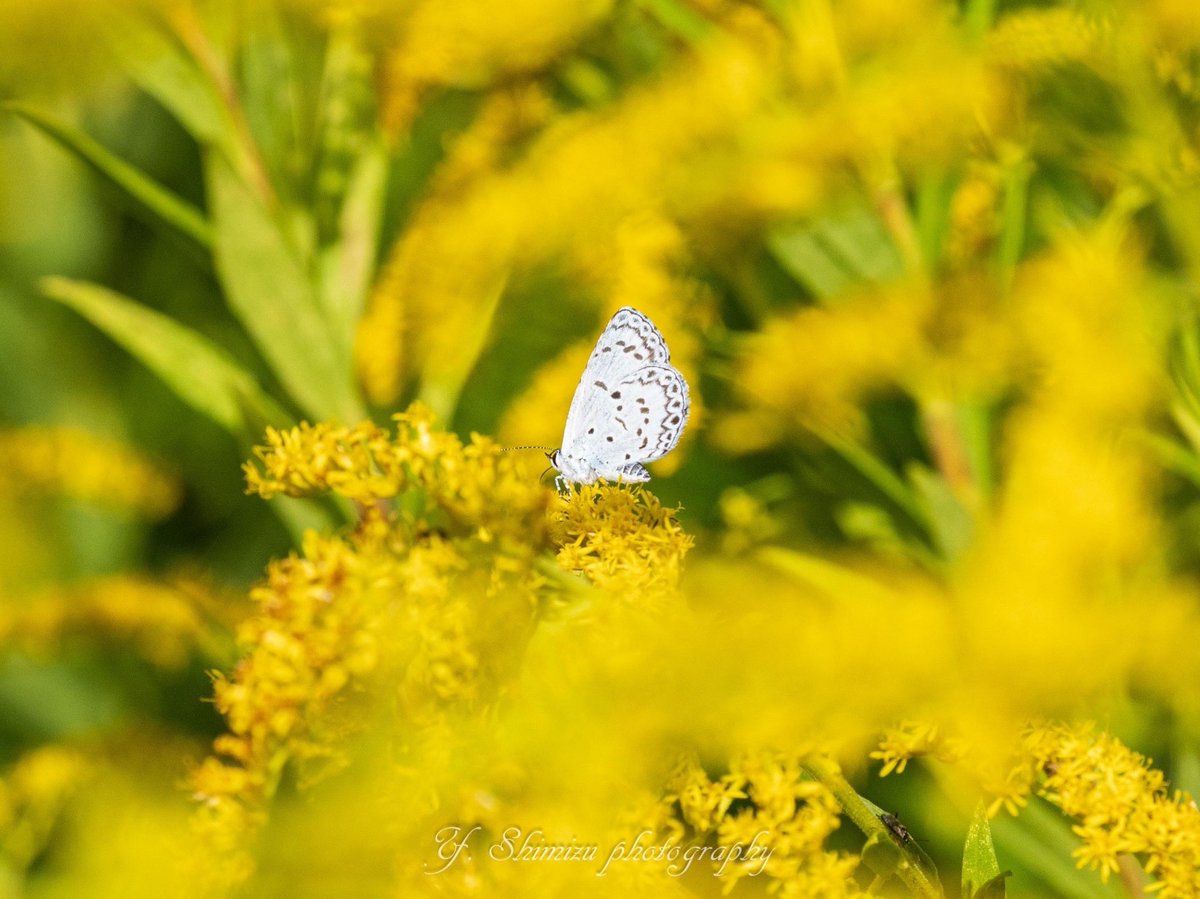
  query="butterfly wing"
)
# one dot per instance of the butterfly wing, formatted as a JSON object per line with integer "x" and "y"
{"x": 650, "y": 411}
{"x": 628, "y": 343}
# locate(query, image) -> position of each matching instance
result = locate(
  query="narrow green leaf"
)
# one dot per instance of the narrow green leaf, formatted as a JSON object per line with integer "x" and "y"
{"x": 975, "y": 425}
{"x": 979, "y": 855}
{"x": 838, "y": 251}
{"x": 192, "y": 90}
{"x": 934, "y": 196}
{"x": 996, "y": 888}
{"x": 951, "y": 522}
{"x": 201, "y": 374}
{"x": 348, "y": 265}
{"x": 158, "y": 63}
{"x": 300, "y": 515}
{"x": 1041, "y": 842}
{"x": 159, "y": 204}
{"x": 1170, "y": 454}
{"x": 1013, "y": 213}
{"x": 269, "y": 290}
{"x": 679, "y": 18}
{"x": 879, "y": 474}
{"x": 860, "y": 240}
{"x": 807, "y": 260}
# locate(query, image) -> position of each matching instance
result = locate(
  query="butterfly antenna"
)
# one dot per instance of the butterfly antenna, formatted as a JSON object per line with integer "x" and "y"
{"x": 508, "y": 449}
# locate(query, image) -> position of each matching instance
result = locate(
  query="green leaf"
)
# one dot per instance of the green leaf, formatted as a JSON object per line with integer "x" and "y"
{"x": 1040, "y": 843}
{"x": 950, "y": 521}
{"x": 994, "y": 888}
{"x": 934, "y": 197}
{"x": 807, "y": 260}
{"x": 201, "y": 374}
{"x": 835, "y": 253}
{"x": 269, "y": 290}
{"x": 861, "y": 241}
{"x": 881, "y": 854}
{"x": 914, "y": 867}
{"x": 147, "y": 195}
{"x": 197, "y": 93}
{"x": 980, "y": 866}
{"x": 347, "y": 266}
{"x": 159, "y": 64}
{"x": 679, "y": 18}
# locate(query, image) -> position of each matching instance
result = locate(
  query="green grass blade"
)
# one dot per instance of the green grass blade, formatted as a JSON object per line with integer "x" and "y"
{"x": 148, "y": 196}
{"x": 201, "y": 374}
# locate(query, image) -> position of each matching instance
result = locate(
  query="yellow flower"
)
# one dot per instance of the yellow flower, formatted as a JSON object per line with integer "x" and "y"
{"x": 160, "y": 619}
{"x": 447, "y": 43}
{"x": 33, "y": 792}
{"x": 1121, "y": 805}
{"x": 624, "y": 541}
{"x": 75, "y": 463}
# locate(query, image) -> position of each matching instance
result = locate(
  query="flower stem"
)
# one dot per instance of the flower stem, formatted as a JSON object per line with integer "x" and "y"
{"x": 910, "y": 871}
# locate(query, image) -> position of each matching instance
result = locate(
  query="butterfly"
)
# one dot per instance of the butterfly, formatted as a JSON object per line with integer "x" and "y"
{"x": 630, "y": 407}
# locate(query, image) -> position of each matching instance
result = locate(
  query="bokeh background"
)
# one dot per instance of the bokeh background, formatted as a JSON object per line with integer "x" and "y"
{"x": 930, "y": 270}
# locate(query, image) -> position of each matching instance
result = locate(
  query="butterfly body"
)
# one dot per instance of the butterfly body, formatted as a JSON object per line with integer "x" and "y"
{"x": 630, "y": 407}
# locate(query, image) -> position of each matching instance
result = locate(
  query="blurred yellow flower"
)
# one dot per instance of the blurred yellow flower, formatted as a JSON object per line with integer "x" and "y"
{"x": 74, "y": 463}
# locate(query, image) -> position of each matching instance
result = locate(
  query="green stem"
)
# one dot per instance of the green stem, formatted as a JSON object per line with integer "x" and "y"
{"x": 1013, "y": 212}
{"x": 829, "y": 773}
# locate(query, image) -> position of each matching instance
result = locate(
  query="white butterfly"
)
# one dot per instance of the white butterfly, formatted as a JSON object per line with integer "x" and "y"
{"x": 630, "y": 406}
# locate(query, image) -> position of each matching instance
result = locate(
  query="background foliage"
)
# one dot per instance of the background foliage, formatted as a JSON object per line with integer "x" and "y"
{"x": 930, "y": 269}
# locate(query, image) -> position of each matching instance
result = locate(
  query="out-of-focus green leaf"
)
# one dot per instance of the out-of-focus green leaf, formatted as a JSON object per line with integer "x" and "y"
{"x": 350, "y": 180}
{"x": 147, "y": 195}
{"x": 348, "y": 264}
{"x": 933, "y": 216}
{"x": 951, "y": 522}
{"x": 269, "y": 290}
{"x": 859, "y": 238}
{"x": 1013, "y": 214}
{"x": 1041, "y": 842}
{"x": 807, "y": 260}
{"x": 832, "y": 254}
{"x": 53, "y": 701}
{"x": 881, "y": 854}
{"x": 160, "y": 65}
{"x": 679, "y": 18}
{"x": 980, "y": 866}
{"x": 202, "y": 374}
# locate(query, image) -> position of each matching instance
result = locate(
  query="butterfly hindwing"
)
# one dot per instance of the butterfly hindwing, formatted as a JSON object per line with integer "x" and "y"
{"x": 653, "y": 409}
{"x": 638, "y": 420}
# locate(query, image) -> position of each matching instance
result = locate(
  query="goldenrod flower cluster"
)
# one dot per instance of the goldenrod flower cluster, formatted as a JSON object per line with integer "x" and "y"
{"x": 432, "y": 596}
{"x": 160, "y": 620}
{"x": 74, "y": 463}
